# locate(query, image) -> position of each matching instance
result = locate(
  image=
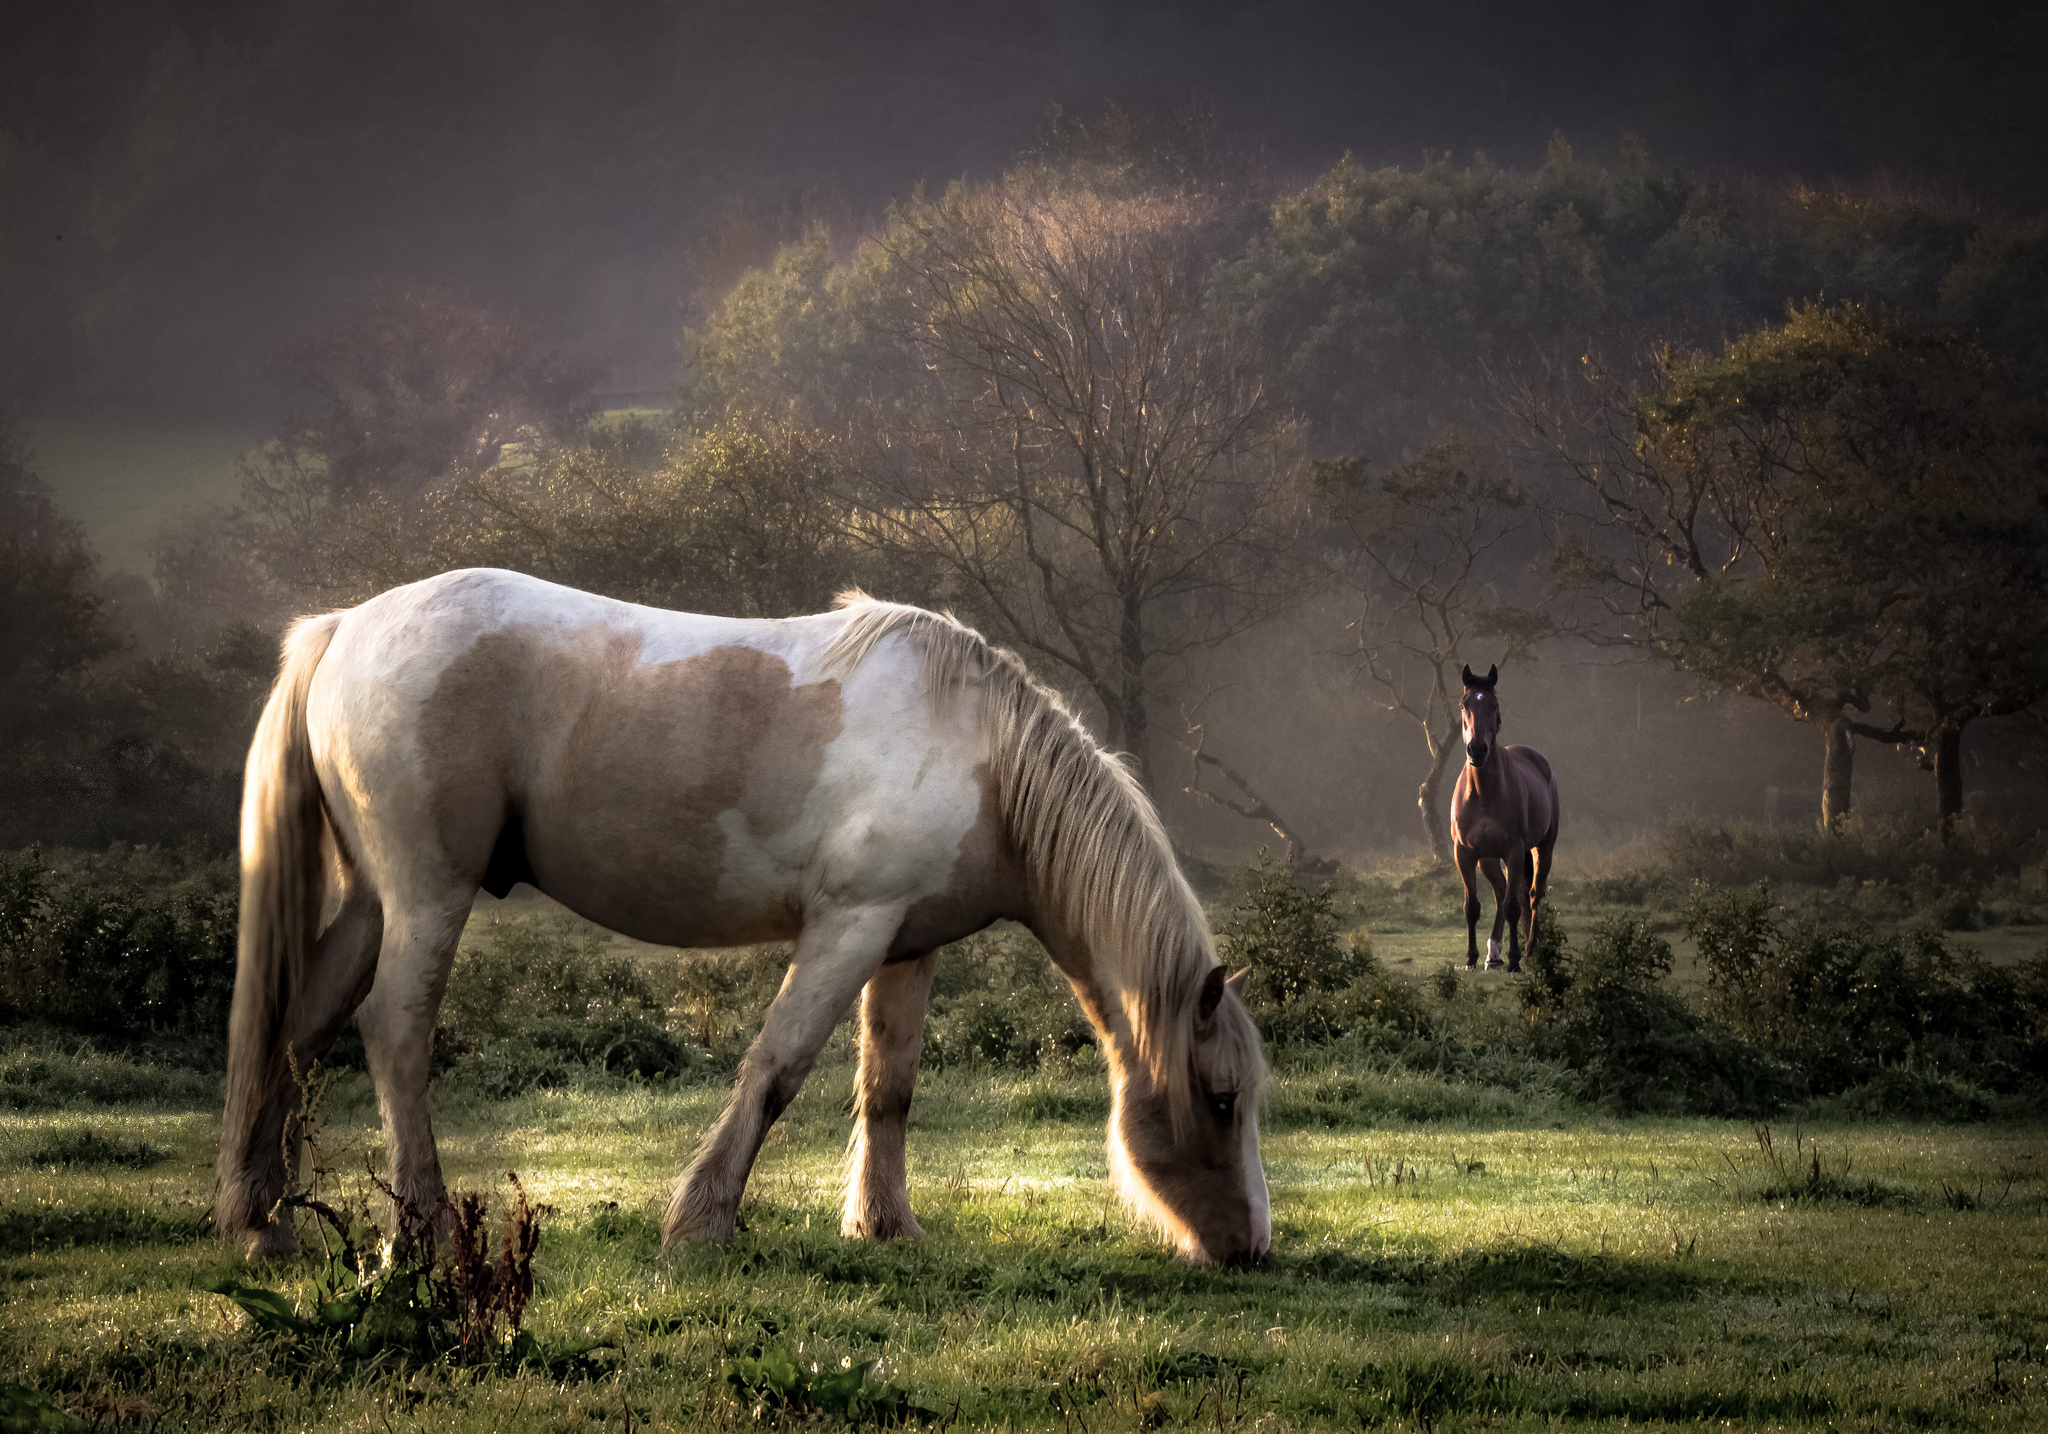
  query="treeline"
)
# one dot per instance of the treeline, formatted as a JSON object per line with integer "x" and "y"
{"x": 1128, "y": 402}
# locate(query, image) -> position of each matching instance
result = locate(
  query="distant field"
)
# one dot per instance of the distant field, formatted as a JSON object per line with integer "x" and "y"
{"x": 124, "y": 481}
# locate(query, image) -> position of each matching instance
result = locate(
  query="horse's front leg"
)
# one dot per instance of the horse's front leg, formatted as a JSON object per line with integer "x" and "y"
{"x": 1468, "y": 863}
{"x": 1491, "y": 870}
{"x": 891, "y": 1040}
{"x": 837, "y": 953}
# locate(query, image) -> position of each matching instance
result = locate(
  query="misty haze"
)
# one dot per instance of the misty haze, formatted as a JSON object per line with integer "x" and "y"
{"x": 1111, "y": 716}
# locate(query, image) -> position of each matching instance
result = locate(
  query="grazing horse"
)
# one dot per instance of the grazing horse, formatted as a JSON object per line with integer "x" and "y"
{"x": 1503, "y": 815}
{"x": 872, "y": 783}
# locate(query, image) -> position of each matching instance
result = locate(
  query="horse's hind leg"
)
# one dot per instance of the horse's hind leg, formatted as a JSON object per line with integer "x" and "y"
{"x": 1514, "y": 907}
{"x": 1540, "y": 862}
{"x": 397, "y": 1022}
{"x": 837, "y": 953}
{"x": 1491, "y": 869}
{"x": 891, "y": 1040}
{"x": 338, "y": 973}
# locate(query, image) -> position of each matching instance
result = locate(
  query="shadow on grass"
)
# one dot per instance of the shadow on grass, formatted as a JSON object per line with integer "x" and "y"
{"x": 35, "y": 1228}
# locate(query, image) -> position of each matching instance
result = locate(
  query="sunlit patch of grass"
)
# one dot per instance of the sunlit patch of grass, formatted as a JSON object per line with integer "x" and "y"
{"x": 1518, "y": 1272}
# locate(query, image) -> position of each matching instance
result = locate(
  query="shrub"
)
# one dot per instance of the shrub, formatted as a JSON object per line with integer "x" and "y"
{"x": 538, "y": 1003}
{"x": 97, "y": 954}
{"x": 1307, "y": 985}
{"x": 997, "y": 999}
{"x": 1846, "y": 1004}
{"x": 1633, "y": 1045}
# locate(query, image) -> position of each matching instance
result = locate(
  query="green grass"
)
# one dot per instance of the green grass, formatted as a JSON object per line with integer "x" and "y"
{"x": 124, "y": 481}
{"x": 1497, "y": 1264}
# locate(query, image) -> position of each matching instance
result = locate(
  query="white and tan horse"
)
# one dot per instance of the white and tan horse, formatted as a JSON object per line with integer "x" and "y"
{"x": 873, "y": 783}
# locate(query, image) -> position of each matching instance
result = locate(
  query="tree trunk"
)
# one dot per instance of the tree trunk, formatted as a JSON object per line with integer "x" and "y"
{"x": 1838, "y": 763}
{"x": 1948, "y": 777}
{"x": 1427, "y": 797}
{"x": 1137, "y": 733}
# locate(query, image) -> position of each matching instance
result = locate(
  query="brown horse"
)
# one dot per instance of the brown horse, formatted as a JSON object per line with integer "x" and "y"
{"x": 1503, "y": 822}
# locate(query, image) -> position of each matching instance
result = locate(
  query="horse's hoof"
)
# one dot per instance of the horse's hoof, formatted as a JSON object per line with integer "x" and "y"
{"x": 1493, "y": 965}
{"x": 1514, "y": 968}
{"x": 1471, "y": 963}
{"x": 901, "y": 1228}
{"x": 273, "y": 1241}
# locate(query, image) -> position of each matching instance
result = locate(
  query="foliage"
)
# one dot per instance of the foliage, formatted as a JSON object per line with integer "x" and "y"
{"x": 1846, "y": 1004}
{"x": 1400, "y": 295}
{"x": 541, "y": 1002}
{"x": 1427, "y": 548}
{"x": 411, "y": 384}
{"x": 108, "y": 958}
{"x": 998, "y": 1000}
{"x": 1834, "y": 511}
{"x": 1307, "y": 985}
{"x": 776, "y": 1380}
{"x": 1633, "y": 1044}
{"x": 402, "y": 1297}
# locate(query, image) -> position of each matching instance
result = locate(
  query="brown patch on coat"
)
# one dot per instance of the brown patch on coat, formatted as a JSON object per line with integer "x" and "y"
{"x": 618, "y": 772}
{"x": 986, "y": 883}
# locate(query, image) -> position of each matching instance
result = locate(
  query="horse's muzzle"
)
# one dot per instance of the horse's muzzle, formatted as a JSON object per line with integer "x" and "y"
{"x": 1477, "y": 753}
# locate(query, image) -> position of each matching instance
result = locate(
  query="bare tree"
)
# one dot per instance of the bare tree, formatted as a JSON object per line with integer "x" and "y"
{"x": 1083, "y": 443}
{"x": 1427, "y": 548}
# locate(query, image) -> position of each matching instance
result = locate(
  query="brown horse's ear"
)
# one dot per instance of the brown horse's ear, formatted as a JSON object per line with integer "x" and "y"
{"x": 1212, "y": 992}
{"x": 1470, "y": 680}
{"x": 1492, "y": 674}
{"x": 1239, "y": 983}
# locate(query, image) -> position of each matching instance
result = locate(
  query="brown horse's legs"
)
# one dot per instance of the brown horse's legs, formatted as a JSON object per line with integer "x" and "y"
{"x": 891, "y": 1040}
{"x": 1540, "y": 882}
{"x": 1491, "y": 870}
{"x": 397, "y": 1022}
{"x": 839, "y": 950}
{"x": 338, "y": 973}
{"x": 1514, "y": 904}
{"x": 1468, "y": 862}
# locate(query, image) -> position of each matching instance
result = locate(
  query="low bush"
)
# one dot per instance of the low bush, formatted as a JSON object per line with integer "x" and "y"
{"x": 1847, "y": 1004}
{"x": 1308, "y": 985}
{"x": 43, "y": 1070}
{"x": 998, "y": 1000}
{"x": 541, "y": 1003}
{"x": 1632, "y": 1044}
{"x": 94, "y": 952}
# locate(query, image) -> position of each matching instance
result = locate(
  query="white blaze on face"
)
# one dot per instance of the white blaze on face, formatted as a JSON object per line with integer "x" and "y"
{"x": 1255, "y": 1187}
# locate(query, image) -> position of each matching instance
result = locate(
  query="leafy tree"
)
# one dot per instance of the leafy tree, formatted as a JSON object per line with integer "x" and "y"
{"x": 743, "y": 520}
{"x": 1835, "y": 510}
{"x": 1427, "y": 548}
{"x": 412, "y": 384}
{"x": 1086, "y": 446}
{"x": 1401, "y": 296}
{"x": 56, "y": 624}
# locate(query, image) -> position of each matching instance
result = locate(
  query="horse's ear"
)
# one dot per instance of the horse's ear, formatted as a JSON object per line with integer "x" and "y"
{"x": 1470, "y": 680}
{"x": 1239, "y": 983}
{"x": 1212, "y": 992}
{"x": 1492, "y": 673}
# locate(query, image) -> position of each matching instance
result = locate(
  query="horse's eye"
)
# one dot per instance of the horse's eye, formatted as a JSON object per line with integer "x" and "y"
{"x": 1223, "y": 1103}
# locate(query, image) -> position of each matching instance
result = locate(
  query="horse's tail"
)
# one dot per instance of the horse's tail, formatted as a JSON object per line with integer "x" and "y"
{"x": 283, "y": 822}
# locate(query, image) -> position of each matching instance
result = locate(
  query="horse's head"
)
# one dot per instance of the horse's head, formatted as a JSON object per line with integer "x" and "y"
{"x": 1479, "y": 716}
{"x": 1194, "y": 1170}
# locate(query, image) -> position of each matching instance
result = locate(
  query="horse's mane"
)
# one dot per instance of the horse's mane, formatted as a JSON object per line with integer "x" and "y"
{"x": 1087, "y": 832}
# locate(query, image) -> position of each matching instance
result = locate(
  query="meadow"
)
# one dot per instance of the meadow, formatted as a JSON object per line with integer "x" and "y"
{"x": 1448, "y": 1255}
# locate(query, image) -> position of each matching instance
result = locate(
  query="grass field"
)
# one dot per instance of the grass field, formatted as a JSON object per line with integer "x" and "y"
{"x": 1523, "y": 1268}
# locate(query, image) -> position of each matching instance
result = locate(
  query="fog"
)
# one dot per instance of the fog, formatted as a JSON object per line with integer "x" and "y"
{"x": 210, "y": 211}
